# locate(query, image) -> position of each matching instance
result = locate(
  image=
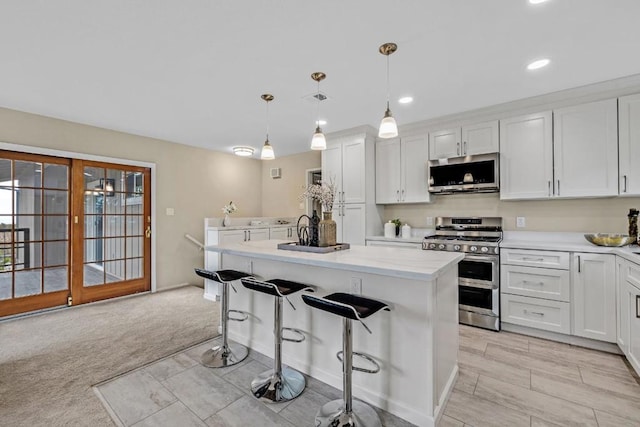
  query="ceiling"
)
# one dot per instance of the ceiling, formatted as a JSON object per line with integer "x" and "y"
{"x": 192, "y": 71}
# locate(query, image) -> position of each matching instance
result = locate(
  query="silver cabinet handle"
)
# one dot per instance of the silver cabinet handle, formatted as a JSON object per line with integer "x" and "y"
{"x": 579, "y": 265}
{"x": 532, "y": 259}
{"x": 402, "y": 198}
{"x": 465, "y": 148}
{"x": 537, "y": 313}
{"x": 638, "y": 306}
{"x": 625, "y": 183}
{"x": 245, "y": 235}
{"x": 549, "y": 185}
{"x": 342, "y": 196}
{"x": 558, "y": 188}
{"x": 458, "y": 148}
{"x": 524, "y": 282}
{"x": 397, "y": 195}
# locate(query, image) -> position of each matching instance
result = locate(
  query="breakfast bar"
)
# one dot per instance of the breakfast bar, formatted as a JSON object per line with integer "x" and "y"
{"x": 415, "y": 343}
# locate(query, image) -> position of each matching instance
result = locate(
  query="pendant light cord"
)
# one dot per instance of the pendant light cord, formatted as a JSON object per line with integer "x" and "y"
{"x": 267, "y": 120}
{"x": 388, "y": 84}
{"x": 318, "y": 110}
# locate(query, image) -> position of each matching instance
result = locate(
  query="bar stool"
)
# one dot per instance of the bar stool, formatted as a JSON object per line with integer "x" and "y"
{"x": 228, "y": 353}
{"x": 279, "y": 384}
{"x": 345, "y": 412}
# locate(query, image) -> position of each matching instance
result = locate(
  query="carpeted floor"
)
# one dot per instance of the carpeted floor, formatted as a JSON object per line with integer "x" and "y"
{"x": 49, "y": 362}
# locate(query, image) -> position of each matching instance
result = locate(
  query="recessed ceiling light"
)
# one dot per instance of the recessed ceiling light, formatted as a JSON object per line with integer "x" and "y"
{"x": 321, "y": 122}
{"x": 538, "y": 64}
{"x": 406, "y": 100}
{"x": 243, "y": 151}
{"x": 537, "y": 1}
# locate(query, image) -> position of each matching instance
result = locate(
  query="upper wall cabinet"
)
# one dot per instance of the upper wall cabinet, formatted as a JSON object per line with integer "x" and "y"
{"x": 401, "y": 170}
{"x": 526, "y": 157}
{"x": 474, "y": 139}
{"x": 585, "y": 150}
{"x": 344, "y": 162}
{"x": 629, "y": 144}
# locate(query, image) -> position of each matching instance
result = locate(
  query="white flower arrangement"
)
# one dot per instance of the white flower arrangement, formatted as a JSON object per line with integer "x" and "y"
{"x": 325, "y": 193}
{"x": 230, "y": 208}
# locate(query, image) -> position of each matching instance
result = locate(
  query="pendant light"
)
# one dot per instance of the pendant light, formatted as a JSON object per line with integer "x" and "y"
{"x": 388, "y": 126}
{"x": 267, "y": 149}
{"x": 318, "y": 142}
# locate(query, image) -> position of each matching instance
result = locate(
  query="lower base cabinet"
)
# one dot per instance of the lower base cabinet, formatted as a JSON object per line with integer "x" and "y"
{"x": 629, "y": 312}
{"x": 554, "y": 316}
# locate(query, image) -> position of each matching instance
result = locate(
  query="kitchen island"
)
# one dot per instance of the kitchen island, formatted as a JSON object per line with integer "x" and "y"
{"x": 416, "y": 343}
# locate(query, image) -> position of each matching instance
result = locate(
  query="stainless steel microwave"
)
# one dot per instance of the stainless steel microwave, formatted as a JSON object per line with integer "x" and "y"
{"x": 479, "y": 173}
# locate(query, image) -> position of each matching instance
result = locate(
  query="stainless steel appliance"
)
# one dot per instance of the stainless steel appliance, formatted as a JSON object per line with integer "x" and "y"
{"x": 477, "y": 173}
{"x": 479, "y": 271}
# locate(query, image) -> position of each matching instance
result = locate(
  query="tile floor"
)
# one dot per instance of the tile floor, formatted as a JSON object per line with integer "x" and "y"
{"x": 505, "y": 379}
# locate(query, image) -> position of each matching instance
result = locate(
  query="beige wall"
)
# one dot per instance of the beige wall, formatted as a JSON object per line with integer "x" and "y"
{"x": 280, "y": 197}
{"x": 194, "y": 181}
{"x": 579, "y": 215}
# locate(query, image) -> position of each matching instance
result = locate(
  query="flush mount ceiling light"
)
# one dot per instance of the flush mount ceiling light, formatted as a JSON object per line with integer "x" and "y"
{"x": 406, "y": 100}
{"x": 267, "y": 149}
{"x": 538, "y": 64}
{"x": 318, "y": 141}
{"x": 243, "y": 151}
{"x": 388, "y": 126}
{"x": 537, "y": 1}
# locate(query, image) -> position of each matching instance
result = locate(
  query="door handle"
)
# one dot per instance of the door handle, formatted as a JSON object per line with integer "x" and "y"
{"x": 147, "y": 232}
{"x": 558, "y": 187}
{"x": 464, "y": 148}
{"x": 245, "y": 235}
{"x": 579, "y": 265}
{"x": 458, "y": 148}
{"x": 638, "y": 306}
{"x": 397, "y": 195}
{"x": 402, "y": 197}
{"x": 549, "y": 185}
{"x": 625, "y": 183}
{"x": 249, "y": 232}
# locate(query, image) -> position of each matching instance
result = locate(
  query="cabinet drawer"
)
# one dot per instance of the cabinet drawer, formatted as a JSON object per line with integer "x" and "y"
{"x": 537, "y": 313}
{"x": 536, "y": 282}
{"x": 531, "y": 258}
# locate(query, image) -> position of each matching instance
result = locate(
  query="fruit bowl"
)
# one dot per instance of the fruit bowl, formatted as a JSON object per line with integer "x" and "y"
{"x": 608, "y": 239}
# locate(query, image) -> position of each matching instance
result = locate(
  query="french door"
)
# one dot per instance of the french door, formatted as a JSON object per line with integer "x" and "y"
{"x": 71, "y": 231}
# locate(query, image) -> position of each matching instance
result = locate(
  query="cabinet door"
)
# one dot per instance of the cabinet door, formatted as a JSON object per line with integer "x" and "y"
{"x": 388, "y": 171}
{"x": 585, "y": 147}
{"x": 480, "y": 138}
{"x": 279, "y": 233}
{"x": 594, "y": 296}
{"x": 332, "y": 165}
{"x": 232, "y": 236}
{"x": 622, "y": 299}
{"x": 414, "y": 167}
{"x": 258, "y": 234}
{"x": 353, "y": 224}
{"x": 444, "y": 143}
{"x": 353, "y": 172}
{"x": 629, "y": 143}
{"x": 526, "y": 157}
{"x": 634, "y": 326}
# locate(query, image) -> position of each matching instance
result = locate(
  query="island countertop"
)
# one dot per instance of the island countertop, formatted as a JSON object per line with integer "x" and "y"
{"x": 395, "y": 262}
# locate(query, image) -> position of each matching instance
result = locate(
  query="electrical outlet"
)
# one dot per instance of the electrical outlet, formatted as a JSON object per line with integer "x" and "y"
{"x": 521, "y": 222}
{"x": 430, "y": 220}
{"x": 170, "y": 212}
{"x": 356, "y": 285}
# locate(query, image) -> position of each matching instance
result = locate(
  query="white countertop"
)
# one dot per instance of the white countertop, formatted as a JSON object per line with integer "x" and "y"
{"x": 250, "y": 227}
{"x": 568, "y": 242}
{"x": 417, "y": 236}
{"x": 395, "y": 262}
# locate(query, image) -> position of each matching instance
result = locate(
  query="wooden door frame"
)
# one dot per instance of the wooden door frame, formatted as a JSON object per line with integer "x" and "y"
{"x": 115, "y": 160}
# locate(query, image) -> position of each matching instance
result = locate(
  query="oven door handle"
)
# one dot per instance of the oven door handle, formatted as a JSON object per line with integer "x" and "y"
{"x": 482, "y": 258}
{"x": 478, "y": 285}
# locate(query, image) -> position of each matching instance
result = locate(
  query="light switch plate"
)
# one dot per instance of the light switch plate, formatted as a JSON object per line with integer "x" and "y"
{"x": 170, "y": 212}
{"x": 521, "y": 222}
{"x": 429, "y": 220}
{"x": 356, "y": 285}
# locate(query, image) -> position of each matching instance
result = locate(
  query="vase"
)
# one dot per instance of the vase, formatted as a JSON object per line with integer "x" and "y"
{"x": 226, "y": 221}
{"x": 326, "y": 230}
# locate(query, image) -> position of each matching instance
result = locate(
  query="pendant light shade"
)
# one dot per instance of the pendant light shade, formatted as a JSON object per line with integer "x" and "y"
{"x": 388, "y": 127}
{"x": 267, "y": 150}
{"x": 318, "y": 141}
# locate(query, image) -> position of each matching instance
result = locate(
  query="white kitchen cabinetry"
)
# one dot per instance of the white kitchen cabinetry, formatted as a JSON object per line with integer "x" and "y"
{"x": 392, "y": 244}
{"x": 594, "y": 296}
{"x": 283, "y": 233}
{"x": 526, "y": 157}
{"x": 585, "y": 150}
{"x": 629, "y": 311}
{"x": 629, "y": 145}
{"x": 467, "y": 140}
{"x": 535, "y": 289}
{"x": 401, "y": 170}
{"x": 349, "y": 161}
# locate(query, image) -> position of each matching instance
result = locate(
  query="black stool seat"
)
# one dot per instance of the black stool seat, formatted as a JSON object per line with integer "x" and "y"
{"x": 350, "y": 306}
{"x": 221, "y": 276}
{"x": 275, "y": 287}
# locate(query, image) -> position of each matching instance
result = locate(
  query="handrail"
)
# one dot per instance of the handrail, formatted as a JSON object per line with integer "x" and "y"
{"x": 195, "y": 241}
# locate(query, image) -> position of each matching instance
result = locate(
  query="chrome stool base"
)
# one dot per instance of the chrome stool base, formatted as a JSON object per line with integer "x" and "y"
{"x": 219, "y": 357}
{"x": 273, "y": 389}
{"x": 332, "y": 415}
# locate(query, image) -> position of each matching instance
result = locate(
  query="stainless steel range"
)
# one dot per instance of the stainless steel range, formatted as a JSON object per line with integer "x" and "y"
{"x": 479, "y": 271}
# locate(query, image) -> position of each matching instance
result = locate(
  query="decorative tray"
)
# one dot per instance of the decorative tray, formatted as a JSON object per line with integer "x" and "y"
{"x": 295, "y": 246}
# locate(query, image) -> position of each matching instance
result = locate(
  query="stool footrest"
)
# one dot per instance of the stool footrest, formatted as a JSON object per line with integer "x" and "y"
{"x": 365, "y": 357}
{"x": 244, "y": 316}
{"x": 295, "y": 332}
